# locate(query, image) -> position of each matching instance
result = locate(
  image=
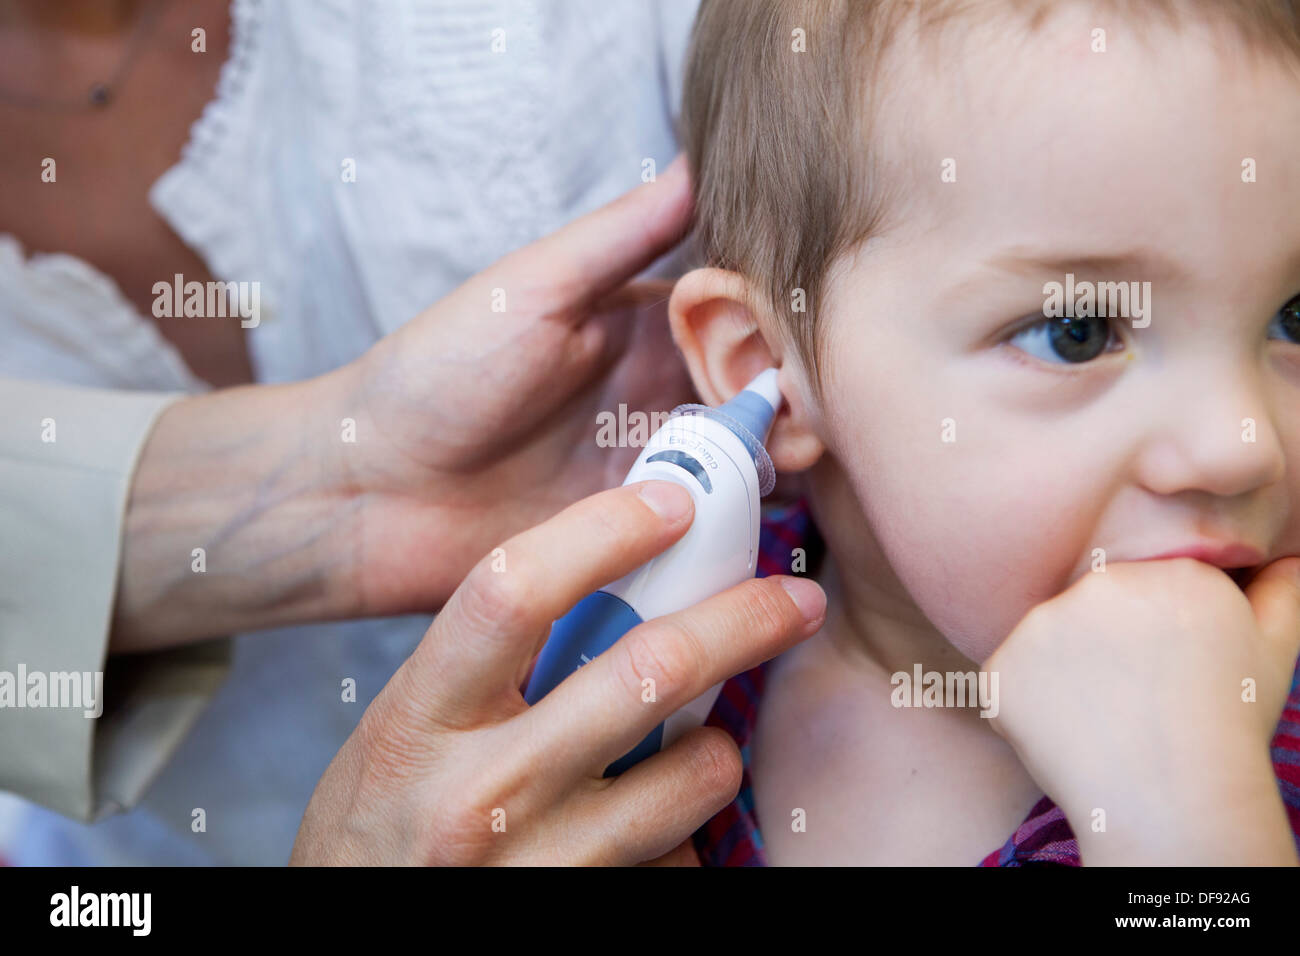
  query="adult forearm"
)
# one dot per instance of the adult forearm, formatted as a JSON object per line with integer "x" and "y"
{"x": 236, "y": 520}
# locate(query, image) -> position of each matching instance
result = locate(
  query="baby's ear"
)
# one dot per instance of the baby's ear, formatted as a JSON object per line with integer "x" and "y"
{"x": 715, "y": 326}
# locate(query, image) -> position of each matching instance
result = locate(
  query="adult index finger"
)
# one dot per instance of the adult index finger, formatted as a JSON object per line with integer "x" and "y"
{"x": 472, "y": 659}
{"x": 602, "y": 710}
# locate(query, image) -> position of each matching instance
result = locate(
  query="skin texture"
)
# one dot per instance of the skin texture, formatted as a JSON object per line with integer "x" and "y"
{"x": 941, "y": 549}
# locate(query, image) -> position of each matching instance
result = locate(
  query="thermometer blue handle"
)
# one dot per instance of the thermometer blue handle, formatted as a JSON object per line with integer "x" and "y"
{"x": 593, "y": 626}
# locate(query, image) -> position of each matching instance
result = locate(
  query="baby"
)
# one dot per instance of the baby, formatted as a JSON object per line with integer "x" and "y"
{"x": 1031, "y": 275}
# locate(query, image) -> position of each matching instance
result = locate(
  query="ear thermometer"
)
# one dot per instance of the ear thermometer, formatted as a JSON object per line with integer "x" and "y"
{"x": 717, "y": 455}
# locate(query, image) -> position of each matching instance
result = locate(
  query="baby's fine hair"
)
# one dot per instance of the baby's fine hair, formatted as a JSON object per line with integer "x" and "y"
{"x": 779, "y": 101}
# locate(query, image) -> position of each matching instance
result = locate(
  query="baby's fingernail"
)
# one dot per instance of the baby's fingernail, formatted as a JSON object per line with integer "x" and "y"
{"x": 807, "y": 596}
{"x": 668, "y": 500}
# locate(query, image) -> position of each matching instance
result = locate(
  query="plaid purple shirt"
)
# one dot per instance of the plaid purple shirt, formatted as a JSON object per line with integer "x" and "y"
{"x": 732, "y": 837}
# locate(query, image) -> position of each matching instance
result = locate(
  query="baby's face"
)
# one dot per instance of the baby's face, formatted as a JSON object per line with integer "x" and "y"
{"x": 992, "y": 451}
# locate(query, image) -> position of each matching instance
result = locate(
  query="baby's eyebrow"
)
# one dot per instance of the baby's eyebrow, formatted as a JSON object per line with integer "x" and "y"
{"x": 1032, "y": 262}
{"x": 1138, "y": 264}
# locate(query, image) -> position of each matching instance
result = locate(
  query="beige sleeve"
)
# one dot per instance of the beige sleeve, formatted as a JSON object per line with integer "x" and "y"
{"x": 66, "y": 460}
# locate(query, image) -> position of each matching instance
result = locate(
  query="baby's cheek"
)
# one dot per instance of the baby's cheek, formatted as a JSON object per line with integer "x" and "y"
{"x": 979, "y": 519}
{"x": 970, "y": 598}
{"x": 979, "y": 544}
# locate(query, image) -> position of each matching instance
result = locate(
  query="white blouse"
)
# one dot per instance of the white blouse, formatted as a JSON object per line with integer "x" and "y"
{"x": 461, "y": 153}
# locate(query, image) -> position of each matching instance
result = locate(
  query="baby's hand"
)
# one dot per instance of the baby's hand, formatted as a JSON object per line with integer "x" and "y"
{"x": 1143, "y": 698}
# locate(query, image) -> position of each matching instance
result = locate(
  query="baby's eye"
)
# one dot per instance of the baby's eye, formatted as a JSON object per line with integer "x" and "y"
{"x": 1286, "y": 324}
{"x": 1073, "y": 339}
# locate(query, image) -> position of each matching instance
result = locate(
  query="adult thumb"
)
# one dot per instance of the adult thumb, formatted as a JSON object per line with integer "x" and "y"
{"x": 1274, "y": 594}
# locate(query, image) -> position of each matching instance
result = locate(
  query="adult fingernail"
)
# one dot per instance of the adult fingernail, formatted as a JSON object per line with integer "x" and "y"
{"x": 668, "y": 500}
{"x": 807, "y": 596}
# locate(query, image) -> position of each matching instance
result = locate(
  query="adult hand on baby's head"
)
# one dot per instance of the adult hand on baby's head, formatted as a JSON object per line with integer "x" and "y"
{"x": 479, "y": 417}
{"x": 1149, "y": 692}
{"x": 450, "y": 766}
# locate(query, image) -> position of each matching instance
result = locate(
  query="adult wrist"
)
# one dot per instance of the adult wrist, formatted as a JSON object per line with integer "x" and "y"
{"x": 236, "y": 519}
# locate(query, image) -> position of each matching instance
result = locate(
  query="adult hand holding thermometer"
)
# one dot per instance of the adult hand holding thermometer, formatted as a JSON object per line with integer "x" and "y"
{"x": 717, "y": 454}
{"x": 450, "y": 734}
